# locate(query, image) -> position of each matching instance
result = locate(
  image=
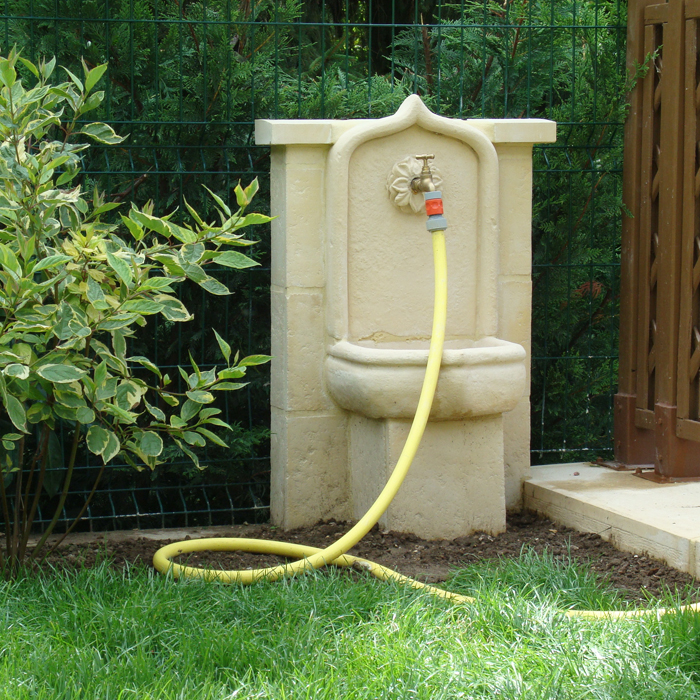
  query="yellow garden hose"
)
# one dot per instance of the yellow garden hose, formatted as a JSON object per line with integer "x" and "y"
{"x": 314, "y": 558}
{"x": 311, "y": 557}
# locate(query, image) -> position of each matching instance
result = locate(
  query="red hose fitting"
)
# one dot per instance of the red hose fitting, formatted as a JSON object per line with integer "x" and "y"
{"x": 433, "y": 206}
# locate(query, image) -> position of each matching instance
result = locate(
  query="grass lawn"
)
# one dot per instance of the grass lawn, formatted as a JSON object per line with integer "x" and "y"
{"x": 104, "y": 635}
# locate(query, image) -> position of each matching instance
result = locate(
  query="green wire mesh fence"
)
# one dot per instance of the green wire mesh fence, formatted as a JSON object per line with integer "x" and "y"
{"x": 187, "y": 79}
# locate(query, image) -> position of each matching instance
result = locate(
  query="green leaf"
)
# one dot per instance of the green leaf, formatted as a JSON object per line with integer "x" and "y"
{"x": 93, "y": 76}
{"x": 119, "y": 413}
{"x": 75, "y": 79}
{"x": 107, "y": 390}
{"x": 9, "y": 261}
{"x": 101, "y": 373}
{"x": 97, "y": 439}
{"x": 67, "y": 176}
{"x": 170, "y": 266}
{"x": 194, "y": 439}
{"x": 170, "y": 399}
{"x": 155, "y": 411}
{"x": 60, "y": 374}
{"x": 142, "y": 306}
{"x": 219, "y": 201}
{"x": 219, "y": 422}
{"x": 121, "y": 268}
{"x": 211, "y": 436}
{"x": 183, "y": 234}
{"x": 156, "y": 283}
{"x": 135, "y": 230}
{"x": 119, "y": 344}
{"x": 177, "y": 422}
{"x": 145, "y": 362}
{"x": 57, "y": 162}
{"x": 192, "y": 252}
{"x": 154, "y": 223}
{"x": 16, "y": 370}
{"x": 117, "y": 322}
{"x": 85, "y": 415}
{"x": 253, "y": 360}
{"x": 232, "y": 373}
{"x": 38, "y": 413}
{"x": 102, "y": 133}
{"x": 47, "y": 68}
{"x": 200, "y": 396}
{"x": 241, "y": 197}
{"x": 92, "y": 102}
{"x": 228, "y": 386}
{"x": 128, "y": 395}
{"x": 94, "y": 292}
{"x": 173, "y": 309}
{"x": 224, "y": 347}
{"x": 103, "y": 208}
{"x": 151, "y": 443}
{"x": 193, "y": 271}
{"x": 16, "y": 412}
{"x": 253, "y": 220}
{"x": 194, "y": 214}
{"x": 214, "y": 286}
{"x": 232, "y": 258}
{"x": 51, "y": 261}
{"x": 252, "y": 189}
{"x": 61, "y": 411}
{"x": 189, "y": 410}
{"x": 231, "y": 239}
{"x": 69, "y": 398}
{"x": 189, "y": 453}
{"x": 8, "y": 75}
{"x": 112, "y": 448}
{"x": 31, "y": 67}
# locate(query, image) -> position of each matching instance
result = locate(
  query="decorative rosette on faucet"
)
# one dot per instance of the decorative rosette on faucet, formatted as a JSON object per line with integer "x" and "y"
{"x": 399, "y": 185}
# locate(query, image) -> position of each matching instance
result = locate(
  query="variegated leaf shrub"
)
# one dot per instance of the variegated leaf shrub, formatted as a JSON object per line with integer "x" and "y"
{"x": 73, "y": 289}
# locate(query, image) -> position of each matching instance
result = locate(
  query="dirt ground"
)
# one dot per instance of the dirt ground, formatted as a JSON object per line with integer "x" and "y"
{"x": 636, "y": 575}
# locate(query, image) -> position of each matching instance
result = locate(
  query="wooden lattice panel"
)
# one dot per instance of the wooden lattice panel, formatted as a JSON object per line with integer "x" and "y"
{"x": 649, "y": 216}
{"x": 660, "y": 388}
{"x": 688, "y": 423}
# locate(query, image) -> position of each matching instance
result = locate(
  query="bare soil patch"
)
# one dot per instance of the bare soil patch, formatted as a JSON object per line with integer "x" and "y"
{"x": 636, "y": 576}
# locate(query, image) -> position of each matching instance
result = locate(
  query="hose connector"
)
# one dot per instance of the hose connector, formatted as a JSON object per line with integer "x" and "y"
{"x": 433, "y": 208}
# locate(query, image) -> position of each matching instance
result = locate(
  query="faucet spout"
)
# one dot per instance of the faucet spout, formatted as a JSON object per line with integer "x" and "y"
{"x": 424, "y": 182}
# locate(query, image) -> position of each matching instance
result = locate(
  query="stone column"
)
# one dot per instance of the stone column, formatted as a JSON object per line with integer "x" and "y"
{"x": 309, "y": 432}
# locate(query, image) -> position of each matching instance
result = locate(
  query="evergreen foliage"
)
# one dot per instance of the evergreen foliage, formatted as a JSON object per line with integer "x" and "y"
{"x": 523, "y": 59}
{"x": 186, "y": 80}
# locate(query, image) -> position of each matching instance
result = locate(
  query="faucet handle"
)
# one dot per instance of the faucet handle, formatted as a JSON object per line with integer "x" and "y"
{"x": 425, "y": 160}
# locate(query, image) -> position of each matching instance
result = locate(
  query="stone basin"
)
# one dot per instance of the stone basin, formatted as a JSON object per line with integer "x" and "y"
{"x": 384, "y": 379}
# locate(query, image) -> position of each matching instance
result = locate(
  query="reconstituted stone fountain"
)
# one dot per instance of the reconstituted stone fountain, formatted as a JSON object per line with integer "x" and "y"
{"x": 352, "y": 294}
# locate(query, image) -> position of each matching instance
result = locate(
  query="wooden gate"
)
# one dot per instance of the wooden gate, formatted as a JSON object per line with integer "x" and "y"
{"x": 657, "y": 408}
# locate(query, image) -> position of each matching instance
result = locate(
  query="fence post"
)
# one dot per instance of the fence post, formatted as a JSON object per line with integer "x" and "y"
{"x": 674, "y": 456}
{"x": 633, "y": 445}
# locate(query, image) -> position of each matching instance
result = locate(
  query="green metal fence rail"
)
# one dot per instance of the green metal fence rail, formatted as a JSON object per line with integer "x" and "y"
{"x": 186, "y": 81}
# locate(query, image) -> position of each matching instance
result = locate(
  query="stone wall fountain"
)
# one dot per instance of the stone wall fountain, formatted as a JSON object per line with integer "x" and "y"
{"x": 352, "y": 294}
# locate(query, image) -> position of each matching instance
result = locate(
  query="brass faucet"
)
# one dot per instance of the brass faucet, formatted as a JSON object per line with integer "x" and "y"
{"x": 424, "y": 182}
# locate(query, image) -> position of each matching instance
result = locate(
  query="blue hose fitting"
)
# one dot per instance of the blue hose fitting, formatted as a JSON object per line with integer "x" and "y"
{"x": 433, "y": 208}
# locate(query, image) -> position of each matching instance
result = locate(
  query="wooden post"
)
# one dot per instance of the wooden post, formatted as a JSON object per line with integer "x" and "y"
{"x": 633, "y": 445}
